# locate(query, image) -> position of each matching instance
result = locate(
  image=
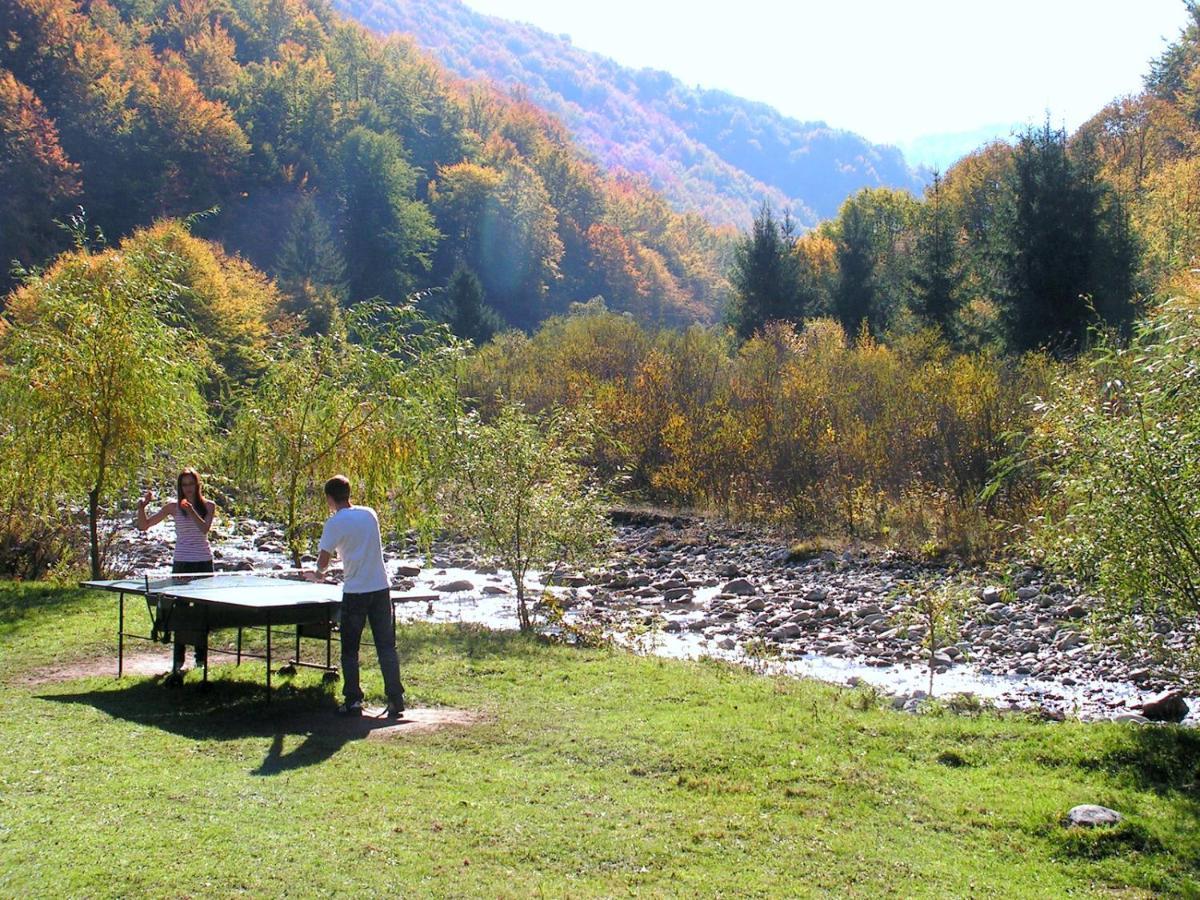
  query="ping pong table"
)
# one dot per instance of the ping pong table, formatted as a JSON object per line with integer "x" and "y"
{"x": 207, "y": 603}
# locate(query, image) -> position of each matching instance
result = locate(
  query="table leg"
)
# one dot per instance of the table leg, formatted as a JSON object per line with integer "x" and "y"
{"x": 239, "y": 646}
{"x": 297, "y": 659}
{"x": 121, "y": 635}
{"x": 268, "y": 657}
{"x": 207, "y": 636}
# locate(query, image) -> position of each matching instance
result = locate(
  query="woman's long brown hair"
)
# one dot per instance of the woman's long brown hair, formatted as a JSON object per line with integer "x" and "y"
{"x": 201, "y": 503}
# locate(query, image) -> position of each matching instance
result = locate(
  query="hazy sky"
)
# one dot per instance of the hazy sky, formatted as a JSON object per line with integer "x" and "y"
{"x": 888, "y": 69}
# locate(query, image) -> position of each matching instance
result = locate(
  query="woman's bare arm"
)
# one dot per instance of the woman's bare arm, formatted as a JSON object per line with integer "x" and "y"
{"x": 145, "y": 522}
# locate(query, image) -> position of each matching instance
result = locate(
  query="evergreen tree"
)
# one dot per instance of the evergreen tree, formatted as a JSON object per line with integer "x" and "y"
{"x": 389, "y": 233}
{"x": 765, "y": 275}
{"x": 935, "y": 274}
{"x": 465, "y": 311}
{"x": 1066, "y": 254}
{"x": 854, "y": 298}
{"x": 309, "y": 255}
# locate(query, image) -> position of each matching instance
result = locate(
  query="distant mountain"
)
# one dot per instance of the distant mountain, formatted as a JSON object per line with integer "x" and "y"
{"x": 706, "y": 150}
{"x": 942, "y": 150}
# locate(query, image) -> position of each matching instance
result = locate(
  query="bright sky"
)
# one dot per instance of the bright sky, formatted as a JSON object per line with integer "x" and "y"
{"x": 891, "y": 70}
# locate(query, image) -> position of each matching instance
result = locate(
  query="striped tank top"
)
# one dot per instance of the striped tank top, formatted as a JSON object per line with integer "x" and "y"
{"x": 191, "y": 544}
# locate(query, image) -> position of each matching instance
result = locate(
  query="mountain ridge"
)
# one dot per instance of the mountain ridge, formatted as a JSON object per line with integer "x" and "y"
{"x": 708, "y": 150}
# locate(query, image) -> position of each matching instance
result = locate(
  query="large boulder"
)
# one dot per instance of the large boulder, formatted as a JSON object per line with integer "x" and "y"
{"x": 1169, "y": 706}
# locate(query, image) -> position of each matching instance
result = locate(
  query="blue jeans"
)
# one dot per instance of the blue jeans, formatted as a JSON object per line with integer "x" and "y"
{"x": 357, "y": 609}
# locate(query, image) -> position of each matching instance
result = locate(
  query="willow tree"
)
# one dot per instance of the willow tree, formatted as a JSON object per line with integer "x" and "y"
{"x": 97, "y": 388}
{"x": 524, "y": 494}
{"x": 373, "y": 399}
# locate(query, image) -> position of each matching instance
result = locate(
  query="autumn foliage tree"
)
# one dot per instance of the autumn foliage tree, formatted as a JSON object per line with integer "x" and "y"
{"x": 97, "y": 389}
{"x": 39, "y": 180}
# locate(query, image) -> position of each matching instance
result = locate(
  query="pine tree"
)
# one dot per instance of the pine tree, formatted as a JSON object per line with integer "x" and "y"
{"x": 765, "y": 275}
{"x": 465, "y": 311}
{"x": 389, "y": 232}
{"x": 309, "y": 255}
{"x": 1066, "y": 252}
{"x": 935, "y": 274}
{"x": 854, "y": 298}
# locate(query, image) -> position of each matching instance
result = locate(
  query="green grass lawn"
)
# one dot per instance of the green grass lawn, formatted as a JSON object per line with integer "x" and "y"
{"x": 592, "y": 773}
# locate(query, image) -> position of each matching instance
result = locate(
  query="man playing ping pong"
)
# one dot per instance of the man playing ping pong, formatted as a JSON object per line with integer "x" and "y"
{"x": 352, "y": 532}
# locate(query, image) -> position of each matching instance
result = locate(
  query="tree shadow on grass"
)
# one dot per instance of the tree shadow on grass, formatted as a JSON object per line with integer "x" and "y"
{"x": 233, "y": 710}
{"x": 23, "y": 600}
{"x": 1165, "y": 760}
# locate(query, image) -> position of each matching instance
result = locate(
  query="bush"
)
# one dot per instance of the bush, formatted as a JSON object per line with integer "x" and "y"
{"x": 1120, "y": 443}
{"x": 799, "y": 427}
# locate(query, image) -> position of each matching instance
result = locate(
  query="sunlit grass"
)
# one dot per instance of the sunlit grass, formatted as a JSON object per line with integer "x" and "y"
{"x": 592, "y": 773}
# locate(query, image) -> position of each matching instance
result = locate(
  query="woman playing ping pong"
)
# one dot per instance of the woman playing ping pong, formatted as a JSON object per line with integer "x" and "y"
{"x": 193, "y": 516}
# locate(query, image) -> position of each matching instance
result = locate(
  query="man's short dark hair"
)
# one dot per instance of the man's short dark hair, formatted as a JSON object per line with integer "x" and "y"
{"x": 337, "y": 489}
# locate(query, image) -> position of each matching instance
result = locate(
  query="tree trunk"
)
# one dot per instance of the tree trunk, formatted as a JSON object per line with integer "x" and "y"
{"x": 932, "y": 653}
{"x": 93, "y": 530}
{"x": 522, "y": 609}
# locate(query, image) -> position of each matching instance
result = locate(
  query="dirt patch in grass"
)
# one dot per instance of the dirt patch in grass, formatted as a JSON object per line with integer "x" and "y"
{"x": 373, "y": 726}
{"x": 144, "y": 663}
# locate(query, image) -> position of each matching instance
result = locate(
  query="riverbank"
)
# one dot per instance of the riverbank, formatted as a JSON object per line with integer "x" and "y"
{"x": 691, "y": 587}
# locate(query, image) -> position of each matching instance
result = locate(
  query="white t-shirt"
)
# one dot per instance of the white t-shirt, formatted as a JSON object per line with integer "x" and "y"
{"x": 353, "y": 534}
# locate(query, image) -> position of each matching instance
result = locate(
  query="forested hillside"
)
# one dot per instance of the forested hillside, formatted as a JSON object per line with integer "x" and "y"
{"x": 345, "y": 164}
{"x": 707, "y": 150}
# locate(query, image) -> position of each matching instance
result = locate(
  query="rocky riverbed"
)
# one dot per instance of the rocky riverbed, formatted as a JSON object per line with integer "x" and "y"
{"x": 689, "y": 587}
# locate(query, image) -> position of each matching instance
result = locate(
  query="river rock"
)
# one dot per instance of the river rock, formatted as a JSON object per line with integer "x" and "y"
{"x": 408, "y": 571}
{"x": 1169, "y": 706}
{"x": 785, "y": 632}
{"x": 454, "y": 587}
{"x": 1090, "y": 815}
{"x": 739, "y": 586}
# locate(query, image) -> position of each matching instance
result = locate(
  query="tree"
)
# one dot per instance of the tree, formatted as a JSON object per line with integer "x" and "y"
{"x": 765, "y": 275}
{"x": 372, "y": 399}
{"x": 854, "y": 298}
{"x": 309, "y": 253}
{"x": 872, "y": 232}
{"x": 38, "y": 177}
{"x": 524, "y": 494}
{"x": 389, "y": 234}
{"x": 464, "y": 310}
{"x": 500, "y": 223}
{"x": 1067, "y": 255}
{"x": 1117, "y": 441}
{"x": 935, "y": 274}
{"x": 93, "y": 376}
{"x": 939, "y": 611}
